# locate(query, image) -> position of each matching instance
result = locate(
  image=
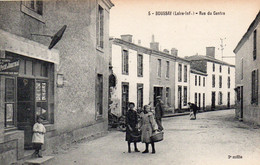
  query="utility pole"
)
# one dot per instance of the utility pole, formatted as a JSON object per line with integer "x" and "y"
{"x": 222, "y": 45}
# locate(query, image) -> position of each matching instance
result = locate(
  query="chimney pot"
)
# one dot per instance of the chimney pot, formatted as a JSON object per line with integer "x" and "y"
{"x": 127, "y": 37}
{"x": 210, "y": 51}
{"x": 174, "y": 52}
{"x": 166, "y": 51}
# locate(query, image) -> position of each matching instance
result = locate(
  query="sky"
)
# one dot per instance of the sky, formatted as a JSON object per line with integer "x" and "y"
{"x": 190, "y": 34}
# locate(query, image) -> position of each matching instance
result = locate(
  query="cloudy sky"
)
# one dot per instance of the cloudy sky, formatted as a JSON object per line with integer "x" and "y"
{"x": 190, "y": 34}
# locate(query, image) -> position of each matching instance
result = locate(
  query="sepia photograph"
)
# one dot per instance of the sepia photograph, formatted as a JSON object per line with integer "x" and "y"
{"x": 122, "y": 82}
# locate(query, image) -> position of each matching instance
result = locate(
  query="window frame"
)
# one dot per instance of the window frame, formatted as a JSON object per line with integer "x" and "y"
{"x": 100, "y": 27}
{"x": 254, "y": 87}
{"x": 220, "y": 81}
{"x": 167, "y": 74}
{"x": 159, "y": 68}
{"x": 255, "y": 45}
{"x": 125, "y": 62}
{"x": 213, "y": 81}
{"x": 140, "y": 65}
{"x": 180, "y": 73}
{"x": 185, "y": 73}
{"x": 140, "y": 101}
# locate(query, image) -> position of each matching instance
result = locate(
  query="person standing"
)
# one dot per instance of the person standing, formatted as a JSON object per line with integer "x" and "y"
{"x": 193, "y": 108}
{"x": 38, "y": 136}
{"x": 131, "y": 127}
{"x": 147, "y": 128}
{"x": 159, "y": 111}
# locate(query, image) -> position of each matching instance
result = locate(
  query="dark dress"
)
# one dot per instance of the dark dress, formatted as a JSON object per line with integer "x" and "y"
{"x": 131, "y": 119}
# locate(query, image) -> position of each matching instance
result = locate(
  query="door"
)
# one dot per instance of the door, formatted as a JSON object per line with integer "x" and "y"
{"x": 213, "y": 100}
{"x": 157, "y": 92}
{"x": 179, "y": 97}
{"x": 125, "y": 97}
{"x": 228, "y": 100}
{"x": 99, "y": 94}
{"x": 26, "y": 108}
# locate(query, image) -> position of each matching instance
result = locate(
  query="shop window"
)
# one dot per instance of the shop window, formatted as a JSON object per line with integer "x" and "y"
{"x": 100, "y": 27}
{"x": 125, "y": 64}
{"x": 140, "y": 95}
{"x": 9, "y": 102}
{"x": 41, "y": 99}
{"x": 140, "y": 65}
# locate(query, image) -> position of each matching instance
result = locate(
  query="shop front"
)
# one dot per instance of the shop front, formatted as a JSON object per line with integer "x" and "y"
{"x": 27, "y": 85}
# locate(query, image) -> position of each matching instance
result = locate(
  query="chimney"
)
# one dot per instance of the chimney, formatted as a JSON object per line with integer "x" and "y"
{"x": 127, "y": 37}
{"x": 154, "y": 45}
{"x": 174, "y": 52}
{"x": 166, "y": 51}
{"x": 210, "y": 51}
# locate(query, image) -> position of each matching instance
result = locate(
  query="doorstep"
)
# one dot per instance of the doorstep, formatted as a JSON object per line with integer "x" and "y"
{"x": 45, "y": 160}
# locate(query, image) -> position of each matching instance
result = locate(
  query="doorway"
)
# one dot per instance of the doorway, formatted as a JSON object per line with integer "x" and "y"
{"x": 157, "y": 92}
{"x": 26, "y": 108}
{"x": 125, "y": 97}
{"x": 179, "y": 98}
{"x": 213, "y": 100}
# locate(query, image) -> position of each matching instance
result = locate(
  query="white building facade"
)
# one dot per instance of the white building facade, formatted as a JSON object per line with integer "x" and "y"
{"x": 130, "y": 64}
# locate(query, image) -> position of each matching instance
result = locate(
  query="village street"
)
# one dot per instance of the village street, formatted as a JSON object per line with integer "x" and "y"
{"x": 214, "y": 138}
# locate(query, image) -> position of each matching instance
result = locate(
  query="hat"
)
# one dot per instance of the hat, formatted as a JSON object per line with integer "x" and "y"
{"x": 131, "y": 103}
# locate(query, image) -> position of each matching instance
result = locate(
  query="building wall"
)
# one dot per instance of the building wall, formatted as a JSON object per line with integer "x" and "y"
{"x": 198, "y": 89}
{"x": 131, "y": 78}
{"x": 251, "y": 112}
{"x": 162, "y": 81}
{"x": 75, "y": 114}
{"x": 224, "y": 88}
{"x": 182, "y": 83}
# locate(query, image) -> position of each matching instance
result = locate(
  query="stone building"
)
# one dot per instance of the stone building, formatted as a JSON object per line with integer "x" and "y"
{"x": 66, "y": 84}
{"x": 198, "y": 88}
{"x": 247, "y": 74}
{"x": 220, "y": 82}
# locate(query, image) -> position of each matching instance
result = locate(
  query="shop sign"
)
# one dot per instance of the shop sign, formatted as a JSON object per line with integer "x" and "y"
{"x": 9, "y": 68}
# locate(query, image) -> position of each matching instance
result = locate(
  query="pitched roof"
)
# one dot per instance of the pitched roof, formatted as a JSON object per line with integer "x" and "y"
{"x": 248, "y": 32}
{"x": 207, "y": 58}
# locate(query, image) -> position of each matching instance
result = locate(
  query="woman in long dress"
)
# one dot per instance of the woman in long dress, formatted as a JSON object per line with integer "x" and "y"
{"x": 147, "y": 128}
{"x": 131, "y": 127}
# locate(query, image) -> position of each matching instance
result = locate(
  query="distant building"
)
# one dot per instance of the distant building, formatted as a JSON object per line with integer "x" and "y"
{"x": 220, "y": 82}
{"x": 247, "y": 74}
{"x": 67, "y": 84}
{"x": 198, "y": 88}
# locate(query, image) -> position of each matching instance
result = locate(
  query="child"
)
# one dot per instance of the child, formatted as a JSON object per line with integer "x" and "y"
{"x": 38, "y": 136}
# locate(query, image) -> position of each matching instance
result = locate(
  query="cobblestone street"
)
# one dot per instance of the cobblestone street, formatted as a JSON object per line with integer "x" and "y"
{"x": 214, "y": 138}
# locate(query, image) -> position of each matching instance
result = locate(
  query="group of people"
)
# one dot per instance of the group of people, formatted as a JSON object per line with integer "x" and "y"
{"x": 147, "y": 124}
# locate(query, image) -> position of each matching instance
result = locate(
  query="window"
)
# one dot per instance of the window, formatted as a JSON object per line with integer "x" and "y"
{"x": 203, "y": 97}
{"x": 99, "y": 95}
{"x": 180, "y": 72}
{"x": 195, "y": 80}
{"x": 220, "y": 68}
{"x": 185, "y": 99}
{"x": 204, "y": 81}
{"x": 254, "y": 48}
{"x": 228, "y": 82}
{"x": 220, "y": 81}
{"x": 140, "y": 90}
{"x": 220, "y": 96}
{"x": 199, "y": 80}
{"x": 254, "y": 99}
{"x": 167, "y": 69}
{"x": 242, "y": 70}
{"x": 159, "y": 67}
{"x": 195, "y": 99}
{"x": 35, "y": 6}
{"x": 213, "y": 81}
{"x": 41, "y": 99}
{"x": 140, "y": 65}
{"x": 168, "y": 96}
{"x": 9, "y": 102}
{"x": 185, "y": 73}
{"x": 125, "y": 64}
{"x": 228, "y": 70}
{"x": 100, "y": 27}
{"x": 213, "y": 67}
